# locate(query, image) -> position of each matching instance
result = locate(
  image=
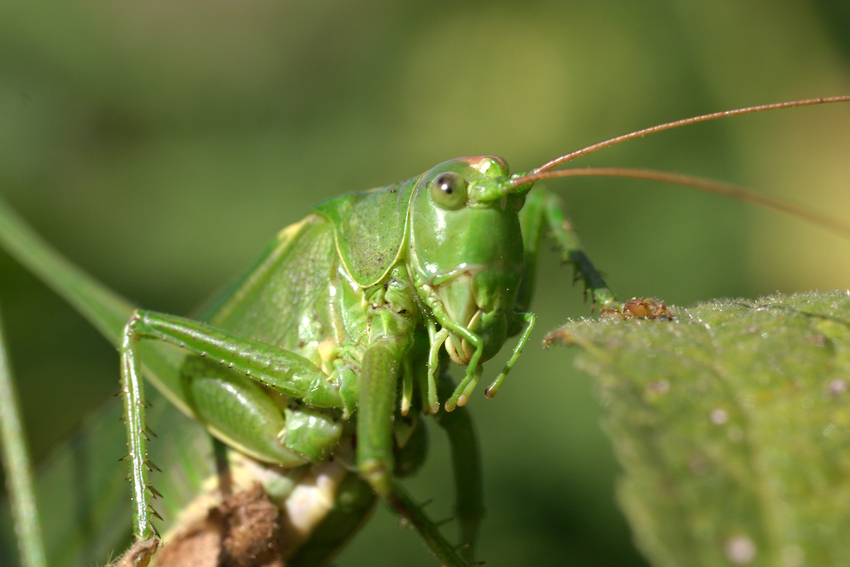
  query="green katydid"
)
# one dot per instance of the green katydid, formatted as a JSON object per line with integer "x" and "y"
{"x": 326, "y": 352}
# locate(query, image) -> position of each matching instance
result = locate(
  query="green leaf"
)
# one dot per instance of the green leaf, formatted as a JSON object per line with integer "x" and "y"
{"x": 732, "y": 423}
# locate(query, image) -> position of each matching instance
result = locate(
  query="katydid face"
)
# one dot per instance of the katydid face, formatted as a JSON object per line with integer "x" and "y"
{"x": 466, "y": 245}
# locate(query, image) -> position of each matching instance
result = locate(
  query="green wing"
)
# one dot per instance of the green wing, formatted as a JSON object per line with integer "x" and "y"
{"x": 268, "y": 301}
{"x": 369, "y": 228}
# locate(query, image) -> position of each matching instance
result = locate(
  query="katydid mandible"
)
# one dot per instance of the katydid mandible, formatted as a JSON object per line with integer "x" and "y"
{"x": 336, "y": 341}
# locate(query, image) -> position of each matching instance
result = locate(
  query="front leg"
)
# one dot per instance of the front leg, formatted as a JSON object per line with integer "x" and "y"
{"x": 379, "y": 376}
{"x": 544, "y": 210}
{"x": 466, "y": 464}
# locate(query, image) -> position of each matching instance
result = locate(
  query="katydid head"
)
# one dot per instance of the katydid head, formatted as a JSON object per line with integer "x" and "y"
{"x": 466, "y": 248}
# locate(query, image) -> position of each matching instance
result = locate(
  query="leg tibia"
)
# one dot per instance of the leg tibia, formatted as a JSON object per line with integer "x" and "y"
{"x": 544, "y": 210}
{"x": 466, "y": 462}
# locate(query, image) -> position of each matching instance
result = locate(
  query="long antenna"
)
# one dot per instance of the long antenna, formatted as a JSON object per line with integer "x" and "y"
{"x": 684, "y": 122}
{"x": 717, "y": 187}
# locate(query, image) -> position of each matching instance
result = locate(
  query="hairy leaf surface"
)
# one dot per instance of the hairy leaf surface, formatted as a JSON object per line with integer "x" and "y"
{"x": 732, "y": 423}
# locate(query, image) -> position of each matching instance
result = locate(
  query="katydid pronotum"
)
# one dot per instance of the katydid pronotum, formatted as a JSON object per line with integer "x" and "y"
{"x": 317, "y": 364}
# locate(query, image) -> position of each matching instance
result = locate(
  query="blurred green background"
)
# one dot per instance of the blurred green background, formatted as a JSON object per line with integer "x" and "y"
{"x": 160, "y": 144}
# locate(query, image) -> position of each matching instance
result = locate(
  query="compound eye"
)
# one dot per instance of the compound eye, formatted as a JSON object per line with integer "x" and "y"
{"x": 449, "y": 190}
